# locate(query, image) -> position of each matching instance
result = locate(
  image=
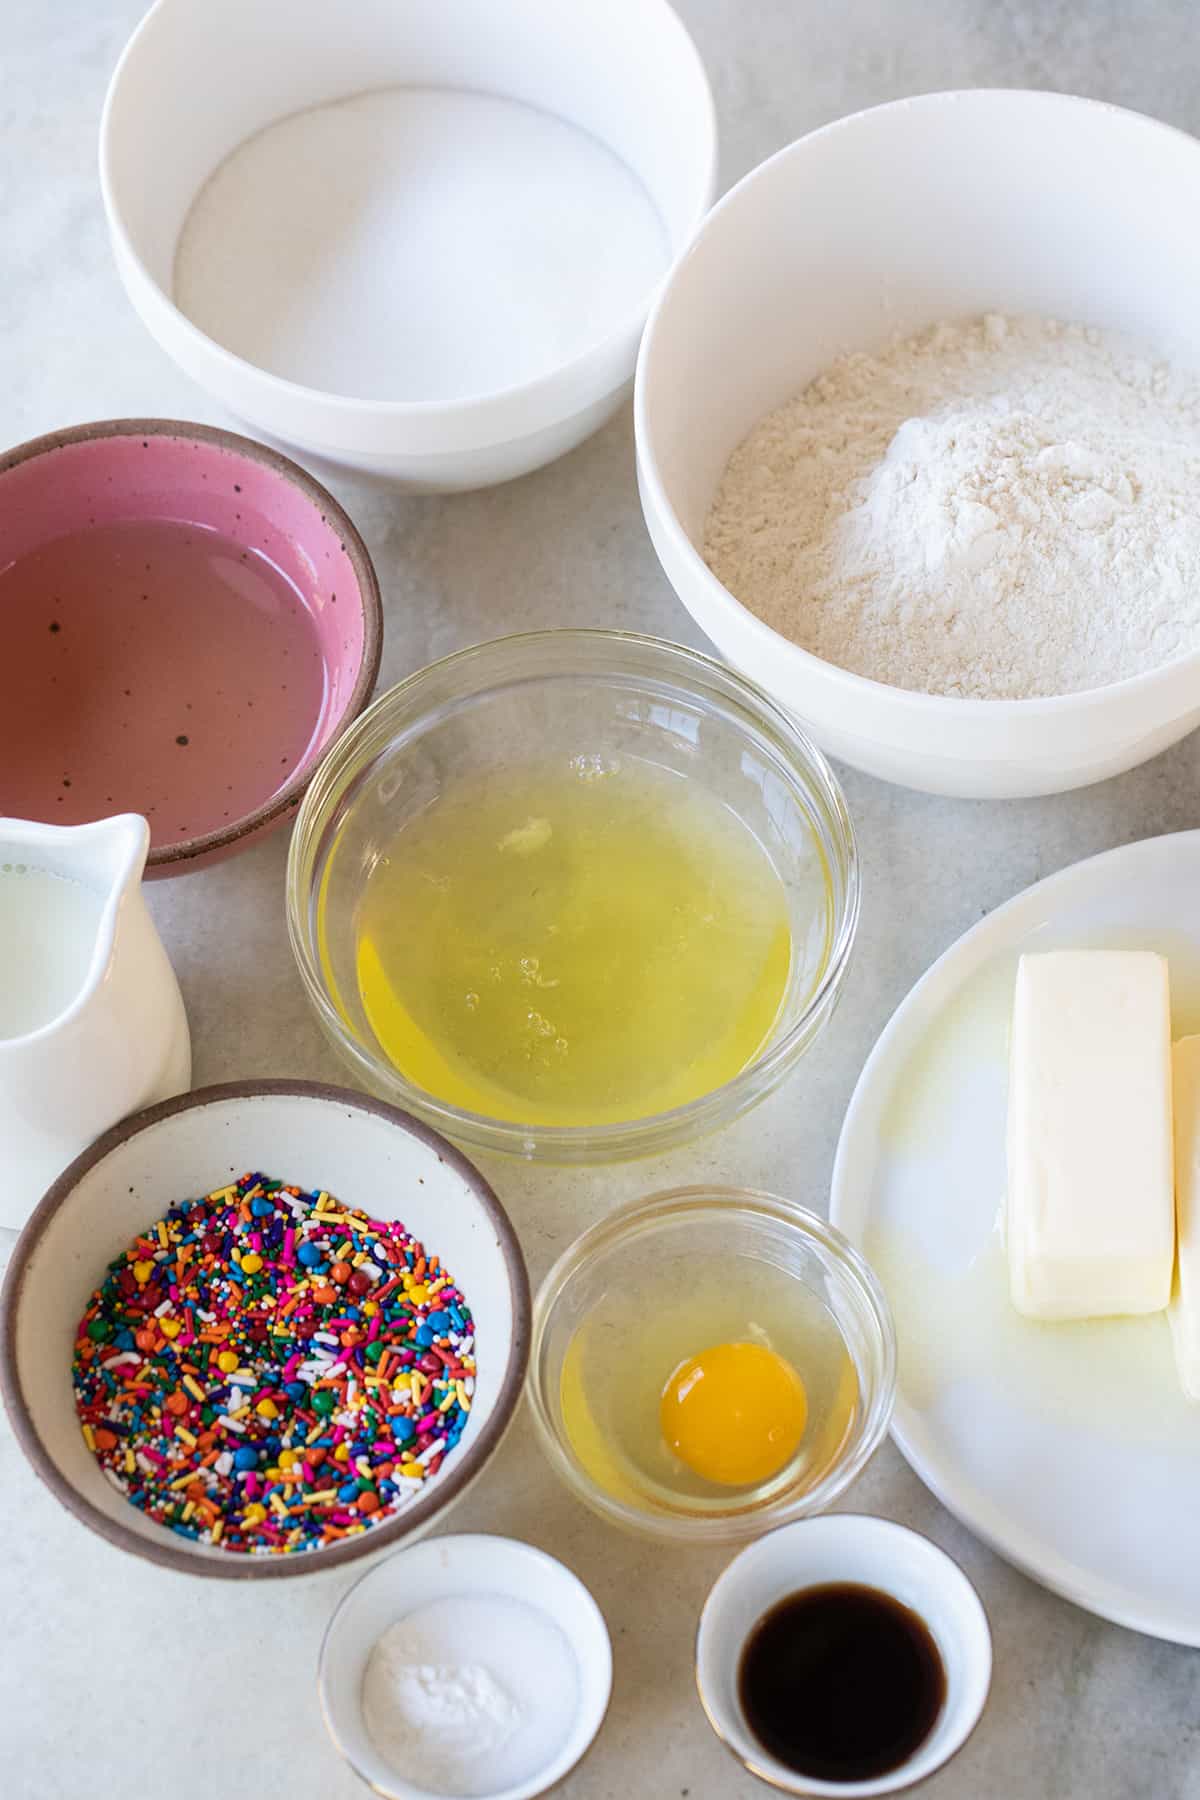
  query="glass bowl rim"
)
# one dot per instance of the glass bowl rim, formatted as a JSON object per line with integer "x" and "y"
{"x": 837, "y": 1254}
{"x": 566, "y": 1144}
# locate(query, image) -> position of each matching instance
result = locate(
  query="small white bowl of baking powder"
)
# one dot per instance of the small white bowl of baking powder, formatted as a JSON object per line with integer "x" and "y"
{"x": 418, "y": 239}
{"x": 465, "y": 1668}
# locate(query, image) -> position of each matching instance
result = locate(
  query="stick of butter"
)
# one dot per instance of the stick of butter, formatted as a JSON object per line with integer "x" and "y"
{"x": 1091, "y": 1206}
{"x": 1183, "y": 1313}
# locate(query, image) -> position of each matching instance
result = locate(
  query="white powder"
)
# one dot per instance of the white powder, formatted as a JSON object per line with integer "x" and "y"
{"x": 471, "y": 1694}
{"x": 433, "y": 1717}
{"x": 996, "y": 509}
{"x": 418, "y": 244}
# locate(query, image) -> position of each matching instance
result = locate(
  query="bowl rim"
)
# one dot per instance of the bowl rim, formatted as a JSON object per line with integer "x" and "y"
{"x": 577, "y": 1144}
{"x": 538, "y": 395}
{"x": 173, "y": 858}
{"x": 845, "y": 683}
{"x": 422, "y": 1511}
{"x": 747, "y": 1527}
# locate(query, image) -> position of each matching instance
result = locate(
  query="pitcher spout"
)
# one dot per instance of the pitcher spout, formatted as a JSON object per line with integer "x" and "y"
{"x": 110, "y": 855}
{"x": 92, "y": 1025}
{"x": 67, "y": 890}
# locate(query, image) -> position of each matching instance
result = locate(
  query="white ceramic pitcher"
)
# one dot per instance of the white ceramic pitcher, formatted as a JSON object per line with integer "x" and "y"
{"x": 121, "y": 1041}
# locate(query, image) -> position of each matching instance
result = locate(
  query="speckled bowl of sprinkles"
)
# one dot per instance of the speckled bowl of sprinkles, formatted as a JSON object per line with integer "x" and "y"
{"x": 264, "y": 1328}
{"x": 267, "y": 1370}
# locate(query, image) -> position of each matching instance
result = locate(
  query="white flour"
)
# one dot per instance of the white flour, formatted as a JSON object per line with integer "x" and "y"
{"x": 417, "y": 244}
{"x": 997, "y": 509}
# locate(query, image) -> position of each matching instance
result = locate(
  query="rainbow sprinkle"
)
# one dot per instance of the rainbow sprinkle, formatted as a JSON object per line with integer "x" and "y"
{"x": 268, "y": 1371}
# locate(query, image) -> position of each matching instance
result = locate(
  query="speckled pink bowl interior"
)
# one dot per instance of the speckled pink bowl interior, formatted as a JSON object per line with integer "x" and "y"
{"x": 210, "y": 719}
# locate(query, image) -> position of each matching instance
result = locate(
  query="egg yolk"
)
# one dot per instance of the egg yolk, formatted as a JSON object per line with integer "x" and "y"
{"x": 734, "y": 1413}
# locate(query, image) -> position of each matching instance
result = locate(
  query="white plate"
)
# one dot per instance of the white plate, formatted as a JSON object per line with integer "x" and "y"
{"x": 1068, "y": 1448}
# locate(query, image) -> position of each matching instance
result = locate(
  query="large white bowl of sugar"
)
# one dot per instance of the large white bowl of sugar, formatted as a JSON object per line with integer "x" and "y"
{"x": 418, "y": 240}
{"x": 936, "y": 209}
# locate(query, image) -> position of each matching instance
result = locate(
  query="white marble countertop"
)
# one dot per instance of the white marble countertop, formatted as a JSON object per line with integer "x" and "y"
{"x": 119, "y": 1680}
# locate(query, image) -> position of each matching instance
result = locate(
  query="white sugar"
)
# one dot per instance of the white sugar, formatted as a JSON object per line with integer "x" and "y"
{"x": 418, "y": 244}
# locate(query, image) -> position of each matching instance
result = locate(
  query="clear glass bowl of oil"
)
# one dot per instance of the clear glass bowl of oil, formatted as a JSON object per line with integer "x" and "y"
{"x": 648, "y": 1293}
{"x": 574, "y": 896}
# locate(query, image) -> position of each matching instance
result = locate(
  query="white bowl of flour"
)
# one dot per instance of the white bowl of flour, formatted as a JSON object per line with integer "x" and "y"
{"x": 918, "y": 424}
{"x": 418, "y": 240}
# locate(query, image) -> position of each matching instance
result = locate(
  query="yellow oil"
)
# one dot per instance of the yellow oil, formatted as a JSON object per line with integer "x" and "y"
{"x": 574, "y": 945}
{"x": 624, "y": 1353}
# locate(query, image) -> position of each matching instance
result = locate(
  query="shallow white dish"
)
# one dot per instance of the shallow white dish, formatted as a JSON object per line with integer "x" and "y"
{"x": 196, "y": 82}
{"x": 1069, "y": 1449}
{"x": 845, "y": 1547}
{"x": 365, "y": 1153}
{"x": 471, "y": 1565}
{"x": 940, "y": 207}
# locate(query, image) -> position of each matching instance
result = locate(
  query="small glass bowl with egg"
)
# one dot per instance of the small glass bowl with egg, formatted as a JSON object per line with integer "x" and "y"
{"x": 708, "y": 1363}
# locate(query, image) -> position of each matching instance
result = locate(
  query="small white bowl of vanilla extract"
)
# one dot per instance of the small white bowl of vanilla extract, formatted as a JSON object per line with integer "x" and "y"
{"x": 843, "y": 1655}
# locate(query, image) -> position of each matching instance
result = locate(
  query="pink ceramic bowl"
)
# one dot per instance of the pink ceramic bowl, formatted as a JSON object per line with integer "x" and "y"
{"x": 189, "y": 622}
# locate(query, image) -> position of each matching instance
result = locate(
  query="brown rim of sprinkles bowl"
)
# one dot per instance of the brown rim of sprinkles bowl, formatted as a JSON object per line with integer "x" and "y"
{"x": 365, "y": 1155}
{"x": 190, "y": 621}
